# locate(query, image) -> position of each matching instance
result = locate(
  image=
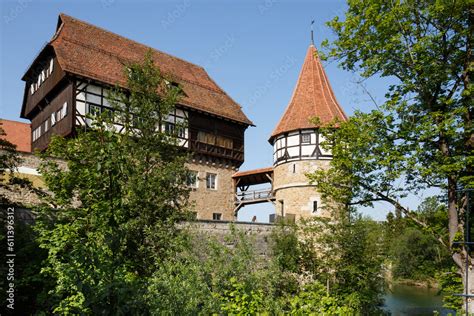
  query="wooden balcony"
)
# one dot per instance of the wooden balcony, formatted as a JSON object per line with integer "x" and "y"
{"x": 213, "y": 150}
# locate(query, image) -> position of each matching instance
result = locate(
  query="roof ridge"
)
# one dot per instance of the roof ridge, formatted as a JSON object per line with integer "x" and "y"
{"x": 129, "y": 39}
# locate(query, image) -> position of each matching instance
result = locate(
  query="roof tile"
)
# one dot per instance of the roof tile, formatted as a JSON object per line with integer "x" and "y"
{"x": 312, "y": 97}
{"x": 17, "y": 133}
{"x": 86, "y": 50}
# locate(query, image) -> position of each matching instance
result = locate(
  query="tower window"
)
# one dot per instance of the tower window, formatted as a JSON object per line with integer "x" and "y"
{"x": 294, "y": 168}
{"x": 217, "y": 216}
{"x": 211, "y": 181}
{"x": 315, "y": 206}
{"x": 306, "y": 138}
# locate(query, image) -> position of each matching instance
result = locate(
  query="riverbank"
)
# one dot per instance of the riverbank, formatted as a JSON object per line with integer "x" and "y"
{"x": 427, "y": 284}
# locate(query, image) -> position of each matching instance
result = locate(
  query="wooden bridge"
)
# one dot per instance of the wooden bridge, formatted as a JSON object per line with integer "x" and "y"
{"x": 244, "y": 180}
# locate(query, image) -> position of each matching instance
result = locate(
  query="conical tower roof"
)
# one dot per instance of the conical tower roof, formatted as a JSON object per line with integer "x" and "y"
{"x": 312, "y": 97}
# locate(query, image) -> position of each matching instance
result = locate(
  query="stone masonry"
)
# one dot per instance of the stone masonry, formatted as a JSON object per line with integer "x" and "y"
{"x": 208, "y": 201}
{"x": 292, "y": 187}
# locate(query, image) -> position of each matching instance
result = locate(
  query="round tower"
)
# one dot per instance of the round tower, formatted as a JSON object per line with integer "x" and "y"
{"x": 296, "y": 141}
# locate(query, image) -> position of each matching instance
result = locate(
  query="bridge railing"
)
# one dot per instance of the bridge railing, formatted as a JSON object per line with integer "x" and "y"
{"x": 244, "y": 196}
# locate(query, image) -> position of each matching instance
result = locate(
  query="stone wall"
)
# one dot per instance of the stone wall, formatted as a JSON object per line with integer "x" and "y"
{"x": 293, "y": 193}
{"x": 208, "y": 201}
{"x": 259, "y": 233}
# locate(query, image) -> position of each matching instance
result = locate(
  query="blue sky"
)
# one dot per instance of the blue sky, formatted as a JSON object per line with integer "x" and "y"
{"x": 252, "y": 49}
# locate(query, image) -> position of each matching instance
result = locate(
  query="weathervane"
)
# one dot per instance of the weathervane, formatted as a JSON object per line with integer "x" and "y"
{"x": 312, "y": 39}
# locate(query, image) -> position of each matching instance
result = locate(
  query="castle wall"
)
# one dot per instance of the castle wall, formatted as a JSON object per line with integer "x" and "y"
{"x": 259, "y": 233}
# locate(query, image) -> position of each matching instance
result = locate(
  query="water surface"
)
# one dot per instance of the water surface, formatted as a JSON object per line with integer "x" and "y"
{"x": 406, "y": 300}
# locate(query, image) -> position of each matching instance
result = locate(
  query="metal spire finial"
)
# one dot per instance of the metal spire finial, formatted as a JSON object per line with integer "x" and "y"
{"x": 312, "y": 38}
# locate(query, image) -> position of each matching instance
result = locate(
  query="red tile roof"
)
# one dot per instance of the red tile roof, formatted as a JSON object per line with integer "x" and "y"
{"x": 86, "y": 50}
{"x": 253, "y": 177}
{"x": 17, "y": 133}
{"x": 313, "y": 96}
{"x": 252, "y": 172}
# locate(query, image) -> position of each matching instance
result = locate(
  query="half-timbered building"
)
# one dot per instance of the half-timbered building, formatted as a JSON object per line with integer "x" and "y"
{"x": 69, "y": 80}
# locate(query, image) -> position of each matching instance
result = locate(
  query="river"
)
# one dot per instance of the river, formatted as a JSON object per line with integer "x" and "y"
{"x": 405, "y": 300}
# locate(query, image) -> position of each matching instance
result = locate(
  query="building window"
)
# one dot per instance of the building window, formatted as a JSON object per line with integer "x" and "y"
{"x": 217, "y": 216}
{"x": 53, "y": 119}
{"x": 294, "y": 168}
{"x": 192, "y": 179}
{"x": 315, "y": 206}
{"x": 305, "y": 138}
{"x": 51, "y": 64}
{"x": 63, "y": 111}
{"x": 211, "y": 181}
{"x": 181, "y": 132}
{"x": 46, "y": 125}
{"x": 94, "y": 110}
{"x": 169, "y": 128}
{"x": 37, "y": 133}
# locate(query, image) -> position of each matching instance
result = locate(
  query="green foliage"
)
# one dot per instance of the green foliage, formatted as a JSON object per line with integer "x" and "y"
{"x": 208, "y": 277}
{"x": 314, "y": 299}
{"x": 236, "y": 300}
{"x": 408, "y": 243}
{"x": 9, "y": 158}
{"x": 421, "y": 136}
{"x": 116, "y": 203}
{"x": 286, "y": 248}
{"x": 29, "y": 285}
{"x": 345, "y": 255}
{"x": 450, "y": 283}
{"x": 9, "y": 161}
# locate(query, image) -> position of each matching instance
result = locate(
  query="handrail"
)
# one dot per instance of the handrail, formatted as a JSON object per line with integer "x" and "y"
{"x": 254, "y": 195}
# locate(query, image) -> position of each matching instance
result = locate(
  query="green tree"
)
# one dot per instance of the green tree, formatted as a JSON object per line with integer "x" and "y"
{"x": 9, "y": 161}
{"x": 422, "y": 136}
{"x": 406, "y": 242}
{"x": 111, "y": 213}
{"x": 9, "y": 158}
{"x": 343, "y": 257}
